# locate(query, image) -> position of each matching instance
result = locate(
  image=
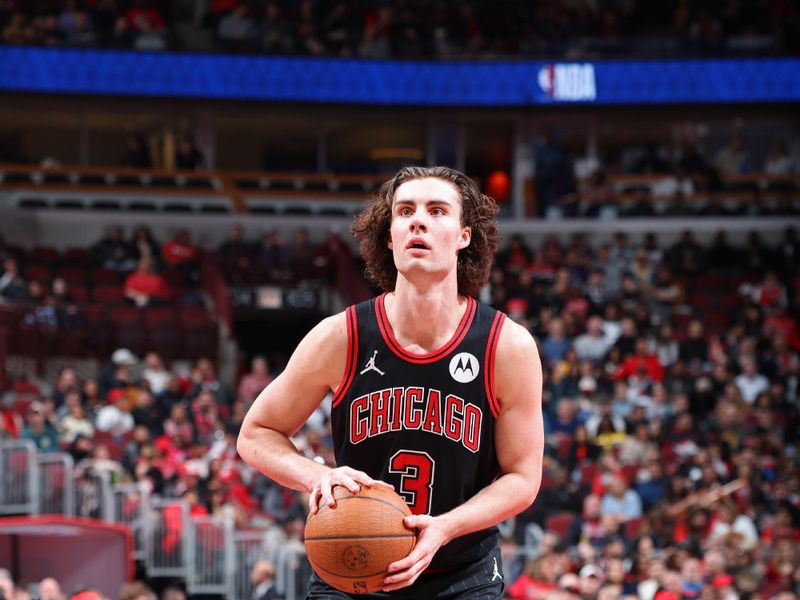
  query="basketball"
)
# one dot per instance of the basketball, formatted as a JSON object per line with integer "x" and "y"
{"x": 351, "y": 544}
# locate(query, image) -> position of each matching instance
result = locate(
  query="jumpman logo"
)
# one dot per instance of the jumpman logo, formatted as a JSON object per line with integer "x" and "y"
{"x": 496, "y": 574}
{"x": 371, "y": 365}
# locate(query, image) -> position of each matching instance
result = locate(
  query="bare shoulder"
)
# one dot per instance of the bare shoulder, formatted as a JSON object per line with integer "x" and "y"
{"x": 323, "y": 349}
{"x": 518, "y": 368}
{"x": 516, "y": 342}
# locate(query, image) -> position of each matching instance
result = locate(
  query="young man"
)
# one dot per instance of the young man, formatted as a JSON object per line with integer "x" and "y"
{"x": 433, "y": 393}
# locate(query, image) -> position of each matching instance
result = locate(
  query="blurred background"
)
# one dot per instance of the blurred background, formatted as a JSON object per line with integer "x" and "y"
{"x": 177, "y": 181}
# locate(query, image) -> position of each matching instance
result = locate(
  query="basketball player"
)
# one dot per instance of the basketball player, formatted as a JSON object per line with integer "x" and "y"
{"x": 433, "y": 393}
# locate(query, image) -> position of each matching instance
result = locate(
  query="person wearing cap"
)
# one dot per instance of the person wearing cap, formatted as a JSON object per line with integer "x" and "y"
{"x": 590, "y": 578}
{"x": 39, "y": 430}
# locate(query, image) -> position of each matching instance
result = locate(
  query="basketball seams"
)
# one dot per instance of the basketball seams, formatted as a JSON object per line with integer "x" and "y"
{"x": 376, "y": 574}
{"x": 360, "y": 536}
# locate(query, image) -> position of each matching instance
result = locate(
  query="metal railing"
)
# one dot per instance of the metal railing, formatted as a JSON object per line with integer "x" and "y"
{"x": 204, "y": 551}
{"x": 56, "y": 484}
{"x": 19, "y": 478}
{"x": 131, "y": 507}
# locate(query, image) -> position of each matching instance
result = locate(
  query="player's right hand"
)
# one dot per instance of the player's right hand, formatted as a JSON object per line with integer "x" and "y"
{"x": 322, "y": 491}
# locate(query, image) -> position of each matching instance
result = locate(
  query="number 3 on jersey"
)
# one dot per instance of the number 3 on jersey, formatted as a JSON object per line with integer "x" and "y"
{"x": 416, "y": 479}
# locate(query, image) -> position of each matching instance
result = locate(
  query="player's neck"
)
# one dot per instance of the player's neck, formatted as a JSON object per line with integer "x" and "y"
{"x": 423, "y": 319}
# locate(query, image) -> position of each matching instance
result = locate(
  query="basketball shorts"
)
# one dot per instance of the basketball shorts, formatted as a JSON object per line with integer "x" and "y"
{"x": 479, "y": 580}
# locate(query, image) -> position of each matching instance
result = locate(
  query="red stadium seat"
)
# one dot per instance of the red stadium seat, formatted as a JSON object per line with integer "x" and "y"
{"x": 108, "y": 294}
{"x": 39, "y": 272}
{"x": 101, "y": 275}
{"x": 73, "y": 273}
{"x": 45, "y": 254}
{"x": 560, "y": 523}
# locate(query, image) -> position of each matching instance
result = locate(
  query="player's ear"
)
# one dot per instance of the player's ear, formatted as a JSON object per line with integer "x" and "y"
{"x": 466, "y": 238}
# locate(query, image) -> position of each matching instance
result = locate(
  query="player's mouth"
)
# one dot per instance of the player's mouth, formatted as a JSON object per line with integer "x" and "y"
{"x": 417, "y": 246}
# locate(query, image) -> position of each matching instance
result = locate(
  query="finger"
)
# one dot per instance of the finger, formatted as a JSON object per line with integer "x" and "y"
{"x": 312, "y": 502}
{"x": 349, "y": 483}
{"x": 327, "y": 495}
{"x": 403, "y": 579}
{"x": 405, "y": 563}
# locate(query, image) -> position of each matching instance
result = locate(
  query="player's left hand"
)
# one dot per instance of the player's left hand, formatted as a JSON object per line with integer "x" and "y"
{"x": 431, "y": 536}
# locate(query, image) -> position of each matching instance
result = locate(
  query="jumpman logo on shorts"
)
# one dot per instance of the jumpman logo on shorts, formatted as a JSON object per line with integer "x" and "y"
{"x": 496, "y": 574}
{"x": 371, "y": 365}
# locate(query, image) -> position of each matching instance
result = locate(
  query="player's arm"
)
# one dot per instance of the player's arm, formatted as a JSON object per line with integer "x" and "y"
{"x": 281, "y": 409}
{"x": 519, "y": 442}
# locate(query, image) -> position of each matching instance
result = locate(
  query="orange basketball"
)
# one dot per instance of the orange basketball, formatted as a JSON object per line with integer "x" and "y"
{"x": 351, "y": 544}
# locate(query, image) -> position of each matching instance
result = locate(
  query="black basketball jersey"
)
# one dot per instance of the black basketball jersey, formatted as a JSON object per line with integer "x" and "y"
{"x": 422, "y": 422}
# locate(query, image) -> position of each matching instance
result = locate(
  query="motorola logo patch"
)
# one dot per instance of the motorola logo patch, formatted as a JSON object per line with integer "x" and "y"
{"x": 464, "y": 367}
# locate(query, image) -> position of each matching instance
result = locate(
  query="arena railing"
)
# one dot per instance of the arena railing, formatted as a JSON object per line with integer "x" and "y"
{"x": 292, "y": 193}
{"x": 206, "y": 552}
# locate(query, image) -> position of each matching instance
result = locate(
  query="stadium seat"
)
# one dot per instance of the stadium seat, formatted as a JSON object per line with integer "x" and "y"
{"x": 45, "y": 254}
{"x": 74, "y": 256}
{"x": 560, "y": 523}
{"x": 108, "y": 294}
{"x": 103, "y": 275}
{"x": 39, "y": 272}
{"x": 72, "y": 274}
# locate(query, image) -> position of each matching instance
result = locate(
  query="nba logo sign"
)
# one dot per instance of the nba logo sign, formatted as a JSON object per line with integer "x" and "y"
{"x": 568, "y": 82}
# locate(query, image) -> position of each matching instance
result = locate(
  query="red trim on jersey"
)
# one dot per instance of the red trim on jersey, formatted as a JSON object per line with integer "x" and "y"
{"x": 488, "y": 367}
{"x": 352, "y": 356}
{"x": 419, "y": 359}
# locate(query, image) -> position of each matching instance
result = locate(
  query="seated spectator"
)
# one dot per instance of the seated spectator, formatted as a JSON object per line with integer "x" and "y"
{"x": 621, "y": 501}
{"x": 640, "y": 364}
{"x": 732, "y": 159}
{"x": 750, "y": 382}
{"x": 555, "y": 345}
{"x": 39, "y": 430}
{"x": 178, "y": 424}
{"x": 180, "y": 251}
{"x": 237, "y": 30}
{"x": 75, "y": 422}
{"x": 301, "y": 256}
{"x": 154, "y": 372}
{"x": 144, "y": 286}
{"x": 144, "y": 245}
{"x": 262, "y": 579}
{"x": 204, "y": 378}
{"x": 256, "y": 380}
{"x": 778, "y": 161}
{"x": 234, "y": 253}
{"x": 49, "y": 589}
{"x": 113, "y": 252}
{"x": 593, "y": 344}
{"x": 13, "y": 287}
{"x": 115, "y": 416}
{"x": 273, "y": 256}
{"x": 187, "y": 155}
{"x": 137, "y": 153}
{"x": 581, "y": 450}
{"x": 686, "y": 255}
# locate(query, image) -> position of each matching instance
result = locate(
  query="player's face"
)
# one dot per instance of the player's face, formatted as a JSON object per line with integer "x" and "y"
{"x": 426, "y": 230}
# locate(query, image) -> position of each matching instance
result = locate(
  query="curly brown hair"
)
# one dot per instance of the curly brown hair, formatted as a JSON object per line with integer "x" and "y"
{"x": 478, "y": 211}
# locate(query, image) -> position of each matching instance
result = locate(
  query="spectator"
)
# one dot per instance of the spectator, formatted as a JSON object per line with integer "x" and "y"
{"x": 136, "y": 590}
{"x": 187, "y": 156}
{"x": 115, "y": 416}
{"x": 137, "y": 154}
{"x": 778, "y": 161}
{"x": 204, "y": 378}
{"x": 732, "y": 159}
{"x": 75, "y": 422}
{"x": 6, "y": 584}
{"x": 750, "y": 382}
{"x": 39, "y": 430}
{"x": 262, "y": 580}
{"x": 234, "y": 253}
{"x": 113, "y": 252}
{"x": 256, "y": 380}
{"x": 556, "y": 344}
{"x": 49, "y": 589}
{"x": 13, "y": 287}
{"x": 686, "y": 256}
{"x": 593, "y": 344}
{"x": 641, "y": 364}
{"x": 237, "y": 30}
{"x": 620, "y": 501}
{"x": 179, "y": 251}
{"x": 156, "y": 375}
{"x": 145, "y": 287}
{"x": 144, "y": 245}
{"x": 173, "y": 593}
